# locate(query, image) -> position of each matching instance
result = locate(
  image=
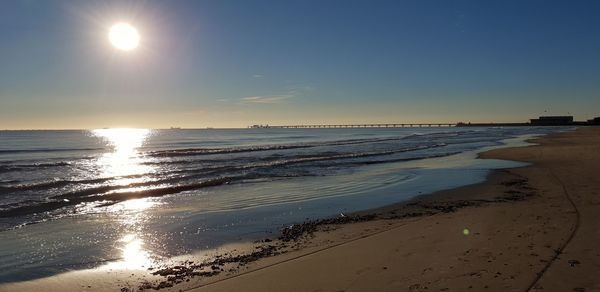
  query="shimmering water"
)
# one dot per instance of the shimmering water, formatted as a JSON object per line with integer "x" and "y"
{"x": 124, "y": 198}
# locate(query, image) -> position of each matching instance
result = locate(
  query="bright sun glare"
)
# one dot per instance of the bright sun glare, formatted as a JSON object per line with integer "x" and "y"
{"x": 124, "y": 36}
{"x": 124, "y": 160}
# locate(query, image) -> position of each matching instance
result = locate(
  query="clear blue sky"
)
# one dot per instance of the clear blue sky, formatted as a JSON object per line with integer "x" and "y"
{"x": 235, "y": 63}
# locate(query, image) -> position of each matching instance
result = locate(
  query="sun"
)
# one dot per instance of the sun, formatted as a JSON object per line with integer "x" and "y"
{"x": 124, "y": 36}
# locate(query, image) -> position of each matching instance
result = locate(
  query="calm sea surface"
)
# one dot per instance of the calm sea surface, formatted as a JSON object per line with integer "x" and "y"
{"x": 130, "y": 197}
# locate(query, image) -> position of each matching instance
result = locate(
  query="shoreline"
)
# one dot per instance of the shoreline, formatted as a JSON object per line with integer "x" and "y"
{"x": 523, "y": 188}
{"x": 326, "y": 235}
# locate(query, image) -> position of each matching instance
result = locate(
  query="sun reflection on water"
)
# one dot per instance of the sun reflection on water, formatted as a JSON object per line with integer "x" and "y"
{"x": 134, "y": 205}
{"x": 125, "y": 159}
{"x": 123, "y": 162}
{"x": 131, "y": 215}
{"x": 133, "y": 254}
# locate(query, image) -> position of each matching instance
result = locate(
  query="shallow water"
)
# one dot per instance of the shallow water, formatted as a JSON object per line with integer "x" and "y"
{"x": 129, "y": 197}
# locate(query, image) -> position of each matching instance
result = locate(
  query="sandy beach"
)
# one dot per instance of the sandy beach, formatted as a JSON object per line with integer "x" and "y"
{"x": 530, "y": 228}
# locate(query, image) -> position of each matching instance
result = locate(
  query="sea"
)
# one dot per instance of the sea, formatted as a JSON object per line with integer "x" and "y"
{"x": 129, "y": 198}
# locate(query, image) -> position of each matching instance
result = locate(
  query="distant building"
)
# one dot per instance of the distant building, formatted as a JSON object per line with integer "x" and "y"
{"x": 541, "y": 121}
{"x": 594, "y": 121}
{"x": 552, "y": 121}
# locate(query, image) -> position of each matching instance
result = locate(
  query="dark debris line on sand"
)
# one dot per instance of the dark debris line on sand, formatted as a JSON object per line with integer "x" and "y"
{"x": 517, "y": 190}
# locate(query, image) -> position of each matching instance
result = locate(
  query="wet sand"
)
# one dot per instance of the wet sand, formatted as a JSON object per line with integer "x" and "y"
{"x": 532, "y": 227}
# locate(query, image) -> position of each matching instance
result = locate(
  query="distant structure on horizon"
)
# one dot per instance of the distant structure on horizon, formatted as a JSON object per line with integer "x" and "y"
{"x": 594, "y": 121}
{"x": 540, "y": 121}
{"x": 552, "y": 121}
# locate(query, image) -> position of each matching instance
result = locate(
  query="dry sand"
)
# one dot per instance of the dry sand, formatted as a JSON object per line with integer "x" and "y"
{"x": 533, "y": 227}
{"x": 541, "y": 231}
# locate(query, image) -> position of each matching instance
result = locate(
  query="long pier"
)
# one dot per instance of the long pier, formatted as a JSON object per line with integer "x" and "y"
{"x": 417, "y": 125}
{"x": 541, "y": 121}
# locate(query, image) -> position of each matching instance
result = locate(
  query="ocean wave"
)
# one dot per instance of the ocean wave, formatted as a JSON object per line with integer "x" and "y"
{"x": 258, "y": 148}
{"x": 108, "y": 198}
{"x": 209, "y": 176}
{"x": 205, "y": 168}
{"x": 33, "y": 166}
{"x": 230, "y": 150}
{"x": 42, "y": 150}
{"x": 370, "y": 162}
{"x": 53, "y": 184}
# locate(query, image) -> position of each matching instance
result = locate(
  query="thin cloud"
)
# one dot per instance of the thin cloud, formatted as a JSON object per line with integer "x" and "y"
{"x": 259, "y": 76}
{"x": 266, "y": 99}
